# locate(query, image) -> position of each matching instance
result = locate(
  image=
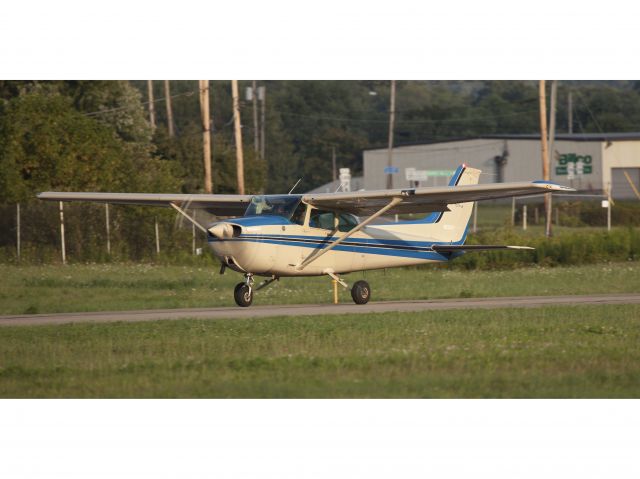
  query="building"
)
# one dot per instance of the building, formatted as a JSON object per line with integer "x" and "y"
{"x": 588, "y": 162}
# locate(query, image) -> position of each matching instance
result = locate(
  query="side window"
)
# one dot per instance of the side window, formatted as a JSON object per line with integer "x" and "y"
{"x": 346, "y": 222}
{"x": 322, "y": 219}
{"x": 299, "y": 214}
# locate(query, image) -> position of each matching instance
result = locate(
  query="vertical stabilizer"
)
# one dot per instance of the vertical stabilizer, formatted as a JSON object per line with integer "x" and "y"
{"x": 449, "y": 226}
{"x": 453, "y": 224}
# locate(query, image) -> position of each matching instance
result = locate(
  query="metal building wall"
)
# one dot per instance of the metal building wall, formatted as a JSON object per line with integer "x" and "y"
{"x": 523, "y": 163}
{"x": 437, "y": 156}
{"x": 621, "y": 156}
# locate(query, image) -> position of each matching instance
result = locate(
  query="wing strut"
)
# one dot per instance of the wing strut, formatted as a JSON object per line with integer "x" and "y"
{"x": 184, "y": 213}
{"x": 317, "y": 253}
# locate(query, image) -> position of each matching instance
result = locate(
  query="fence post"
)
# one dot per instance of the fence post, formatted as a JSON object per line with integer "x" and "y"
{"x": 106, "y": 210}
{"x": 524, "y": 217}
{"x": 513, "y": 211}
{"x": 475, "y": 217}
{"x": 609, "y": 207}
{"x": 193, "y": 239}
{"x": 157, "y": 237}
{"x": 18, "y": 230}
{"x": 62, "y": 241}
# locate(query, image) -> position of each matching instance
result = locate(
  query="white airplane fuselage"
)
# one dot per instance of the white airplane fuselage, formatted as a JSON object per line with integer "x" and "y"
{"x": 276, "y": 249}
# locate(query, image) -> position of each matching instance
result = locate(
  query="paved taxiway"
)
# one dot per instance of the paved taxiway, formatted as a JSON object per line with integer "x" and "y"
{"x": 316, "y": 309}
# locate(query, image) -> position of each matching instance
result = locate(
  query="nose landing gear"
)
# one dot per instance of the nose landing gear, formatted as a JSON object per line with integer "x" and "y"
{"x": 243, "y": 292}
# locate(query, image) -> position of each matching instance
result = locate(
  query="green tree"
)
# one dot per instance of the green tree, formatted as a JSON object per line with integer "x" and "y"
{"x": 47, "y": 144}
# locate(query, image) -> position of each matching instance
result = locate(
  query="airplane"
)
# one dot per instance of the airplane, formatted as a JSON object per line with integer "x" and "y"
{"x": 316, "y": 234}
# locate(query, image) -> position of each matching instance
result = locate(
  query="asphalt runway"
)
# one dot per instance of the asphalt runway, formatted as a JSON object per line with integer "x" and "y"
{"x": 258, "y": 312}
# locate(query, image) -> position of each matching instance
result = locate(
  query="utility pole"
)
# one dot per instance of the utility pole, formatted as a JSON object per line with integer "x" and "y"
{"x": 262, "y": 96}
{"x": 392, "y": 117}
{"x": 570, "y": 112}
{"x": 152, "y": 111}
{"x": 334, "y": 165}
{"x": 206, "y": 135}
{"x": 254, "y": 100}
{"x": 543, "y": 144}
{"x": 238, "y": 136}
{"x": 551, "y": 153}
{"x": 167, "y": 99}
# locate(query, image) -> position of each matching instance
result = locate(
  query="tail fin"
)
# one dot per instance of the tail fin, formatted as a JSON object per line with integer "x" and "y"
{"x": 451, "y": 226}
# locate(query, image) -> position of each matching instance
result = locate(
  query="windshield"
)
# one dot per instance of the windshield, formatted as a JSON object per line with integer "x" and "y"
{"x": 283, "y": 205}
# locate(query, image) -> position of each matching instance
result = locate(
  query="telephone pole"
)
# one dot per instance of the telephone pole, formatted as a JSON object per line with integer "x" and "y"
{"x": 238, "y": 135}
{"x": 167, "y": 99}
{"x": 552, "y": 139}
{"x": 543, "y": 144}
{"x": 206, "y": 135}
{"x": 152, "y": 111}
{"x": 254, "y": 100}
{"x": 392, "y": 116}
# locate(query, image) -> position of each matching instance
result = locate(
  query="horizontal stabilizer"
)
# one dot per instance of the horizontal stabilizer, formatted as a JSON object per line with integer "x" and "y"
{"x": 444, "y": 248}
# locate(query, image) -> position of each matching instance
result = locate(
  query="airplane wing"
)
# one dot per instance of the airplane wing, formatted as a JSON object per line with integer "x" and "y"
{"x": 424, "y": 200}
{"x": 219, "y": 205}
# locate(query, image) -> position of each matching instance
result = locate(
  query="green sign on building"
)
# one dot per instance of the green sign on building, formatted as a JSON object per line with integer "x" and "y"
{"x": 576, "y": 164}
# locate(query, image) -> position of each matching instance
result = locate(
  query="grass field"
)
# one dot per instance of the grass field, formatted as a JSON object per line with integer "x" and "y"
{"x": 574, "y": 351}
{"x": 44, "y": 289}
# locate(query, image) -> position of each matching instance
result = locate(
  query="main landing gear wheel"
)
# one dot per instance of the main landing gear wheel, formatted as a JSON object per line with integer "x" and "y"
{"x": 361, "y": 292}
{"x": 243, "y": 294}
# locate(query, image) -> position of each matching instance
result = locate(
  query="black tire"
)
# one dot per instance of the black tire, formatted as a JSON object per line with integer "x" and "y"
{"x": 361, "y": 292}
{"x": 243, "y": 295}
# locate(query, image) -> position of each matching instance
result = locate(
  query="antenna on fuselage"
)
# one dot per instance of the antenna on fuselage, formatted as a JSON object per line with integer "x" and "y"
{"x": 294, "y": 186}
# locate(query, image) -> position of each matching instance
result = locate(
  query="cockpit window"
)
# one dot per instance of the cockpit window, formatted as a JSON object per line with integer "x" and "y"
{"x": 346, "y": 222}
{"x": 283, "y": 205}
{"x": 300, "y": 214}
{"x": 322, "y": 219}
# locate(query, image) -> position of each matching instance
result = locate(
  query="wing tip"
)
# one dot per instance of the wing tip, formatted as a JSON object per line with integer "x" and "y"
{"x": 552, "y": 186}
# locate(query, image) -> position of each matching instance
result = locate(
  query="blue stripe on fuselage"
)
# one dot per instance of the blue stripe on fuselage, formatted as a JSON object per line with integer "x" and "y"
{"x": 359, "y": 245}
